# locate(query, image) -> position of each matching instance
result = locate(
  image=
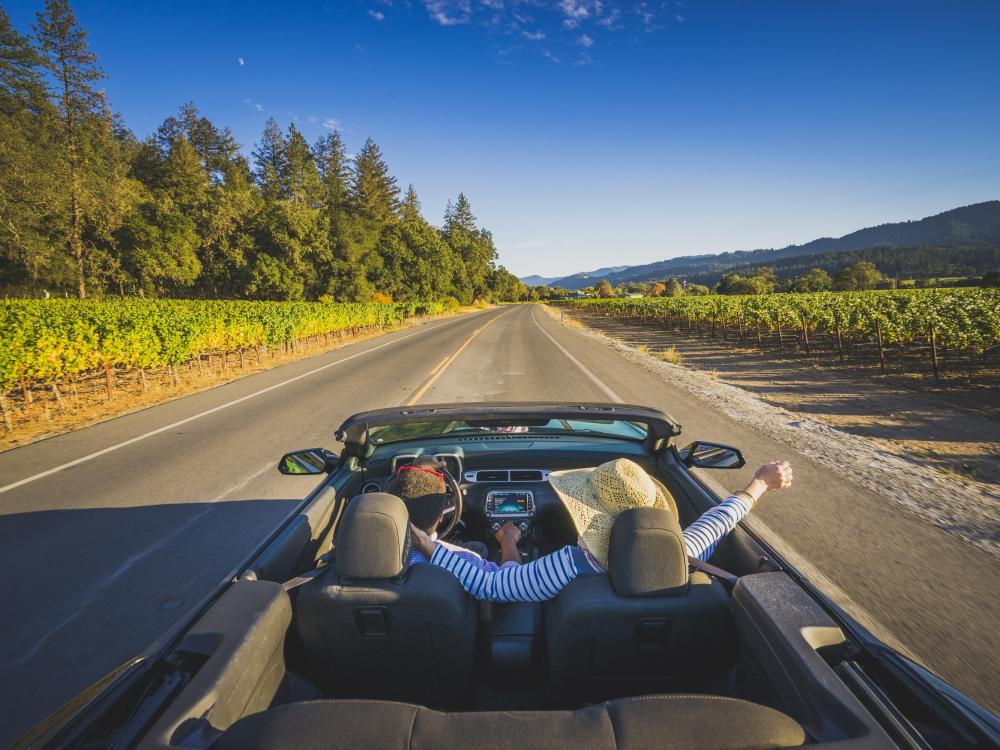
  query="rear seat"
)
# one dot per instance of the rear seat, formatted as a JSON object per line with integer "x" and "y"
{"x": 679, "y": 722}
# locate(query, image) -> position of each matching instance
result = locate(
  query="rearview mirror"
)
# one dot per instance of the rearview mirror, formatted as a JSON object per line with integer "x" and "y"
{"x": 712, "y": 456}
{"x": 308, "y": 461}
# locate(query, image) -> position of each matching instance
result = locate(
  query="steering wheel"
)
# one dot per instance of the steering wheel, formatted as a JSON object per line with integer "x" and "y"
{"x": 448, "y": 526}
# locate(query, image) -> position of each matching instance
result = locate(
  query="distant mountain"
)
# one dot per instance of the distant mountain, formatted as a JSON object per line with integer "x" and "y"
{"x": 968, "y": 225}
{"x": 537, "y": 280}
{"x": 600, "y": 273}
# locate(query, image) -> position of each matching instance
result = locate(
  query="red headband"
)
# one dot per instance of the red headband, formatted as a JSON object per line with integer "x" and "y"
{"x": 436, "y": 473}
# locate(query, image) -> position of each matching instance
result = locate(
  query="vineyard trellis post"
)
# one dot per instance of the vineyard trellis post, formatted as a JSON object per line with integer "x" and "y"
{"x": 25, "y": 390}
{"x": 881, "y": 348}
{"x": 934, "y": 355}
{"x": 109, "y": 380}
{"x": 8, "y": 422}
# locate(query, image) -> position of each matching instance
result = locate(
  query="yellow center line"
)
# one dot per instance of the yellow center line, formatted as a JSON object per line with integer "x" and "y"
{"x": 439, "y": 364}
{"x": 438, "y": 371}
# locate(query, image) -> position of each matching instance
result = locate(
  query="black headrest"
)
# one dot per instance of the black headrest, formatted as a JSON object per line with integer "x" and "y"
{"x": 646, "y": 554}
{"x": 373, "y": 540}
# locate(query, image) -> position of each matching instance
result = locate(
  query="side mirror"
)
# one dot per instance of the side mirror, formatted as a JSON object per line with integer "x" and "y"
{"x": 712, "y": 456}
{"x": 308, "y": 461}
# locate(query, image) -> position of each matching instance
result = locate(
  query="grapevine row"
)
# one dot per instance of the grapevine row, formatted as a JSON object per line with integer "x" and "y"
{"x": 967, "y": 319}
{"x": 43, "y": 341}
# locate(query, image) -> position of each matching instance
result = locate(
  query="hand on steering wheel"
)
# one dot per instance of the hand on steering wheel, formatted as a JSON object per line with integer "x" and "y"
{"x": 448, "y": 526}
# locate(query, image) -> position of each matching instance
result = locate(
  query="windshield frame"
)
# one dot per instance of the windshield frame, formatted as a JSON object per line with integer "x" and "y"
{"x": 355, "y": 432}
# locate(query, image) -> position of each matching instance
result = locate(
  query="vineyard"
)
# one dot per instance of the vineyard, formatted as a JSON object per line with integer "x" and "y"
{"x": 937, "y": 326}
{"x": 57, "y": 348}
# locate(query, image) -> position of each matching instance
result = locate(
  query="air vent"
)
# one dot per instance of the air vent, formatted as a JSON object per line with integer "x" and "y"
{"x": 526, "y": 475}
{"x": 493, "y": 475}
{"x": 371, "y": 487}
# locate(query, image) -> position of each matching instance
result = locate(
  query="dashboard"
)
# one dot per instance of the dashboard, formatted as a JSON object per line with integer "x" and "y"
{"x": 505, "y": 478}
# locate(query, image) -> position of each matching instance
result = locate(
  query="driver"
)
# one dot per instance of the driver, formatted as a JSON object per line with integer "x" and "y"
{"x": 594, "y": 498}
{"x": 421, "y": 486}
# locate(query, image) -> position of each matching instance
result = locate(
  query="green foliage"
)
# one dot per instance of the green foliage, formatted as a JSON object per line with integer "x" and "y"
{"x": 857, "y": 277}
{"x": 814, "y": 280}
{"x": 762, "y": 282}
{"x": 86, "y": 209}
{"x": 46, "y": 340}
{"x": 966, "y": 318}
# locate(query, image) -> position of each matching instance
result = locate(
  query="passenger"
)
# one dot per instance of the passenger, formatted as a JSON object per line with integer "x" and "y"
{"x": 421, "y": 486}
{"x": 594, "y": 498}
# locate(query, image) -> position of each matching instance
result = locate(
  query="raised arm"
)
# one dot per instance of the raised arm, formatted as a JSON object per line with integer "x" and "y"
{"x": 703, "y": 536}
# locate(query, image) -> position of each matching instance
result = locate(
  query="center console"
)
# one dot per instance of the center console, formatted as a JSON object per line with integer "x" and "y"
{"x": 513, "y": 506}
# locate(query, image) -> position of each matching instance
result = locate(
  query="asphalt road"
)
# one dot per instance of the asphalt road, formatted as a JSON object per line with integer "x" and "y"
{"x": 101, "y": 556}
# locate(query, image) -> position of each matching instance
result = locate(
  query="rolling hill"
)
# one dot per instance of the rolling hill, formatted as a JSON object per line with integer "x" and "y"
{"x": 966, "y": 226}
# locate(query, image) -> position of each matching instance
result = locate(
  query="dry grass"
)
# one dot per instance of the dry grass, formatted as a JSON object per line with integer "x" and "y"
{"x": 642, "y": 348}
{"x": 671, "y": 356}
{"x": 561, "y": 316}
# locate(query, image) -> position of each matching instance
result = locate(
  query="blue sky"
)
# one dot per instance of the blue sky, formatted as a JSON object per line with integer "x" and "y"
{"x": 589, "y": 133}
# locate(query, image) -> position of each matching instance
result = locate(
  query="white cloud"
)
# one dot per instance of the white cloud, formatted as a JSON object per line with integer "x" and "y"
{"x": 585, "y": 41}
{"x": 241, "y": 61}
{"x": 449, "y": 12}
{"x": 547, "y": 54}
{"x": 533, "y": 36}
{"x": 313, "y": 119}
{"x": 248, "y": 101}
{"x": 577, "y": 11}
{"x": 679, "y": 17}
{"x": 259, "y": 107}
{"x": 377, "y": 15}
{"x": 330, "y": 124}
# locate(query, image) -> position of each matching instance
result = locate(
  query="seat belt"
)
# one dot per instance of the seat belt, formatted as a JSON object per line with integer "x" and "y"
{"x": 723, "y": 575}
{"x": 294, "y": 583}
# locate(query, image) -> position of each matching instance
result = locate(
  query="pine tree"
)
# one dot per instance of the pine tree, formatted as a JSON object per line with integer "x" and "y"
{"x": 21, "y": 84}
{"x": 375, "y": 194}
{"x": 334, "y": 173}
{"x": 269, "y": 159}
{"x": 63, "y": 43}
{"x": 216, "y": 148}
{"x": 299, "y": 177}
{"x": 411, "y": 204}
{"x": 461, "y": 218}
{"x": 27, "y": 180}
{"x": 184, "y": 177}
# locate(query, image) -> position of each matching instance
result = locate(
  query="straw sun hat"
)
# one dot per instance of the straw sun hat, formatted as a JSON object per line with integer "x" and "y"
{"x": 596, "y": 496}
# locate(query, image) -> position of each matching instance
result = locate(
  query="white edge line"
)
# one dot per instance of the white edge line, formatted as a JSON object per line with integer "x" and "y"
{"x": 172, "y": 425}
{"x": 596, "y": 380}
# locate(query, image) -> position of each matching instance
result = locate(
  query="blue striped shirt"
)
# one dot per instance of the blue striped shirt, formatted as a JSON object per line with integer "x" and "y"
{"x": 545, "y": 577}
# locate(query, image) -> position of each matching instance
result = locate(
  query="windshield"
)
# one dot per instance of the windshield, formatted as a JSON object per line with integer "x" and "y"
{"x": 618, "y": 429}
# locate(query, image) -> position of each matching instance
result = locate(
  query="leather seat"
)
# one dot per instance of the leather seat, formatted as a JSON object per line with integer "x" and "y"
{"x": 646, "y": 626}
{"x": 372, "y": 626}
{"x": 665, "y": 722}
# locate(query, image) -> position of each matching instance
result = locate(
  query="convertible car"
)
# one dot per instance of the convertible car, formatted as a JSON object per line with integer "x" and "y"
{"x": 326, "y": 637}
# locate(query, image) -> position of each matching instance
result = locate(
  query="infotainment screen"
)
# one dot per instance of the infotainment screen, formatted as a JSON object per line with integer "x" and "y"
{"x": 508, "y": 503}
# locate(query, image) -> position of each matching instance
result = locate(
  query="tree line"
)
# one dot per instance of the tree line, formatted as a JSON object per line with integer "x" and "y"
{"x": 859, "y": 276}
{"x": 88, "y": 209}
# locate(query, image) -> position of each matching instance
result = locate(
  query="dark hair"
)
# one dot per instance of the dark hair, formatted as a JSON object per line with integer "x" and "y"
{"x": 423, "y": 493}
